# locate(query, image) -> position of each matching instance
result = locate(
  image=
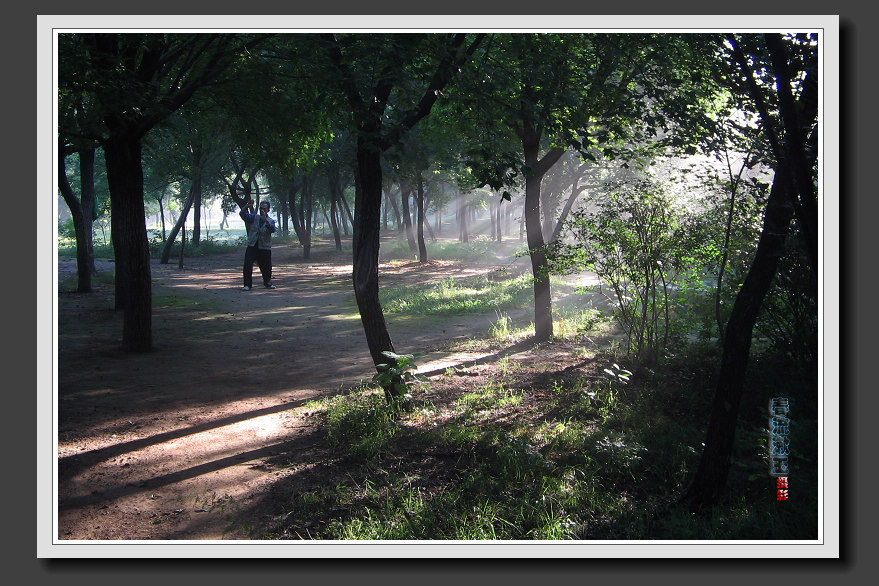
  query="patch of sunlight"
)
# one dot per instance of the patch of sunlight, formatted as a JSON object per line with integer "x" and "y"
{"x": 342, "y": 317}
{"x": 93, "y": 393}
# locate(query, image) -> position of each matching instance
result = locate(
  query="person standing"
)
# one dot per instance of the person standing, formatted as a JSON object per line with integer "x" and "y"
{"x": 260, "y": 228}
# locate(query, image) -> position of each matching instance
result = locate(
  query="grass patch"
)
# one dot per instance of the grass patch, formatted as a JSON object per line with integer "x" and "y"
{"x": 535, "y": 453}
{"x": 358, "y": 425}
{"x": 477, "y": 250}
{"x": 101, "y": 279}
{"x": 451, "y": 296}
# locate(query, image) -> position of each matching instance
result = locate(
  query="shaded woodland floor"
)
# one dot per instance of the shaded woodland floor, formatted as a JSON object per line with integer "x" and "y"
{"x": 164, "y": 445}
{"x": 218, "y": 434}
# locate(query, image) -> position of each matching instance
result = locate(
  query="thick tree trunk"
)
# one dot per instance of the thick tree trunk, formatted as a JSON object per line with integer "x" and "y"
{"x": 539, "y": 265}
{"x": 534, "y": 229}
{"x": 711, "y": 476}
{"x": 367, "y": 210}
{"x": 133, "y": 276}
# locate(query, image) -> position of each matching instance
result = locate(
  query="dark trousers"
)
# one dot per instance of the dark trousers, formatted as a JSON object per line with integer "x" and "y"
{"x": 263, "y": 258}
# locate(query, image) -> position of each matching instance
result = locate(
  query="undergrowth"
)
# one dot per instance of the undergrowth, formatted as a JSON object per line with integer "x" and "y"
{"x": 519, "y": 450}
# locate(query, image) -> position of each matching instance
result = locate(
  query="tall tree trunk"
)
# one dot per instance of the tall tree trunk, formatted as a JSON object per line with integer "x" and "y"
{"x": 194, "y": 189}
{"x": 162, "y": 217}
{"x": 405, "y": 192}
{"x": 89, "y": 201}
{"x": 530, "y": 137}
{"x": 390, "y": 199}
{"x": 539, "y": 264}
{"x": 426, "y": 222}
{"x": 182, "y": 248}
{"x": 711, "y": 475}
{"x": 302, "y": 214}
{"x": 333, "y": 213}
{"x": 492, "y": 220}
{"x": 793, "y": 192}
{"x": 84, "y": 274}
{"x": 345, "y": 213}
{"x": 196, "y": 214}
{"x": 283, "y": 215}
{"x": 419, "y": 219}
{"x": 292, "y": 190}
{"x": 498, "y": 215}
{"x": 464, "y": 235}
{"x": 797, "y": 117}
{"x": 133, "y": 276}
{"x": 508, "y": 219}
{"x": 367, "y": 207}
{"x": 369, "y": 109}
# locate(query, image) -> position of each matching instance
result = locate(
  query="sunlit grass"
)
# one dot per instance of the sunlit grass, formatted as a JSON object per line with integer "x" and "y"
{"x": 594, "y": 459}
{"x": 491, "y": 398}
{"x": 478, "y": 250}
{"x": 451, "y": 296}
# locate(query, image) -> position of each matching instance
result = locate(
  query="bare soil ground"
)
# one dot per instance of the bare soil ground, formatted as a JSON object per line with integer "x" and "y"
{"x": 187, "y": 441}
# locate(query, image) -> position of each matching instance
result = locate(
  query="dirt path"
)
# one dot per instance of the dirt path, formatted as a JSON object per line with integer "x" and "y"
{"x": 185, "y": 442}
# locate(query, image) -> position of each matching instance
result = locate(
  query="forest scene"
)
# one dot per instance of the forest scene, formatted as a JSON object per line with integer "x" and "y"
{"x": 526, "y": 286}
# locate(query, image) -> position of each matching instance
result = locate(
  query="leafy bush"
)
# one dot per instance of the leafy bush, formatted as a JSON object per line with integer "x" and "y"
{"x": 789, "y": 314}
{"x": 66, "y": 230}
{"x": 640, "y": 244}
